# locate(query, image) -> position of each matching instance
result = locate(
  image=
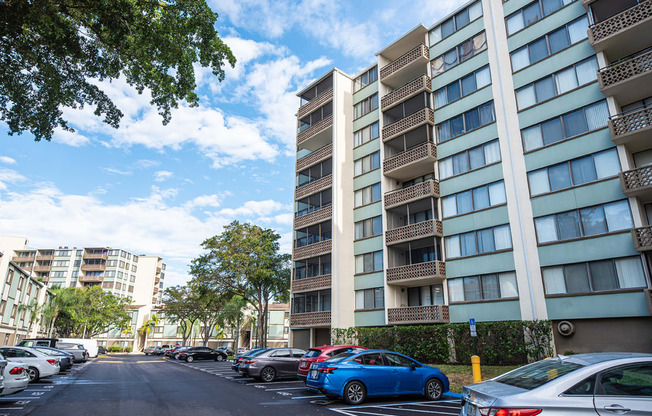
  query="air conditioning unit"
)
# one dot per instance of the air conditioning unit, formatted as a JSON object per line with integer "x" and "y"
{"x": 566, "y": 328}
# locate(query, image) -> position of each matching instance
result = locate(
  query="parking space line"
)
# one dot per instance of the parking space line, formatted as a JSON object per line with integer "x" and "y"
{"x": 357, "y": 412}
{"x": 308, "y": 397}
{"x": 286, "y": 388}
{"x": 274, "y": 383}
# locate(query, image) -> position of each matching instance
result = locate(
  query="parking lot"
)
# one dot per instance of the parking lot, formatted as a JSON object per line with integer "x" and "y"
{"x": 295, "y": 391}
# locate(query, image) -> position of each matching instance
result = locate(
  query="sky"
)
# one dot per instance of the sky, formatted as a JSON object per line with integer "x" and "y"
{"x": 162, "y": 190}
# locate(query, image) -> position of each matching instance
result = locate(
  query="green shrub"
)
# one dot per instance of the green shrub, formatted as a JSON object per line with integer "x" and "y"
{"x": 119, "y": 349}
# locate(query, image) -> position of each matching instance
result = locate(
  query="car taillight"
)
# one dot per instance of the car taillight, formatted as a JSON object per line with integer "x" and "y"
{"x": 319, "y": 360}
{"x": 53, "y": 362}
{"x": 16, "y": 370}
{"x": 328, "y": 370}
{"x": 509, "y": 412}
{"x": 182, "y": 353}
{"x": 250, "y": 361}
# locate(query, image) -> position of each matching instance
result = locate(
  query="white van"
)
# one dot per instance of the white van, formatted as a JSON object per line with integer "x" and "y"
{"x": 91, "y": 345}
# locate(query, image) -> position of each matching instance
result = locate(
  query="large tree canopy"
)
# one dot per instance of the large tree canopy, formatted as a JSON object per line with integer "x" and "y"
{"x": 51, "y": 51}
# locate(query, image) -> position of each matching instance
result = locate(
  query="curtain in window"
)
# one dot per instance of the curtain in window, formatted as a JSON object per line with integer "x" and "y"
{"x": 368, "y": 262}
{"x": 424, "y": 295}
{"x": 525, "y": 97}
{"x": 565, "y": 80}
{"x": 443, "y": 131}
{"x": 603, "y": 275}
{"x": 457, "y": 125}
{"x": 438, "y": 65}
{"x": 472, "y": 288}
{"x": 447, "y": 28}
{"x": 446, "y": 168}
{"x": 467, "y": 243}
{"x": 559, "y": 177}
{"x": 475, "y": 10}
{"x": 481, "y": 198}
{"x": 450, "y": 58}
{"x": 482, "y": 77}
{"x": 583, "y": 170}
{"x": 568, "y": 225}
{"x": 531, "y": 13}
{"x": 553, "y": 280}
{"x": 577, "y": 30}
{"x": 502, "y": 237}
{"x": 593, "y": 220}
{"x": 464, "y": 203}
{"x": 486, "y": 241}
{"x": 618, "y": 216}
{"x": 630, "y": 272}
{"x": 479, "y": 42}
{"x": 452, "y": 246}
{"x": 486, "y": 112}
{"x": 546, "y": 229}
{"x": 515, "y": 23}
{"x": 587, "y": 71}
{"x": 379, "y": 297}
{"x": 476, "y": 158}
{"x": 378, "y": 260}
{"x": 577, "y": 278}
{"x": 538, "y": 182}
{"x": 575, "y": 123}
{"x": 491, "y": 152}
{"x": 520, "y": 59}
{"x": 508, "y": 288}
{"x": 552, "y": 131}
{"x": 468, "y": 84}
{"x": 490, "y": 287}
{"x": 453, "y": 91}
{"x": 455, "y": 290}
{"x": 550, "y": 6}
{"x": 449, "y": 205}
{"x": 606, "y": 163}
{"x": 597, "y": 115}
{"x": 472, "y": 120}
{"x": 558, "y": 40}
{"x": 460, "y": 163}
{"x": 538, "y": 50}
{"x": 532, "y": 138}
{"x": 440, "y": 97}
{"x": 497, "y": 193}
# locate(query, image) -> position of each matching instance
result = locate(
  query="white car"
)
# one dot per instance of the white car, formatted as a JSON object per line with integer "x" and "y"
{"x": 16, "y": 378}
{"x": 38, "y": 364}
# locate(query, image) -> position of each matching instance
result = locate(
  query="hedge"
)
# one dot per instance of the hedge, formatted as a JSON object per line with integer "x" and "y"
{"x": 498, "y": 343}
{"x": 119, "y": 349}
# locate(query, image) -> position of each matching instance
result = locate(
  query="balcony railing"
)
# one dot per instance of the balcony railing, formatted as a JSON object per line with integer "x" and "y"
{"x": 400, "y": 274}
{"x": 422, "y": 83}
{"x": 408, "y": 123}
{"x": 642, "y": 238}
{"x": 418, "y": 314}
{"x": 158, "y": 270}
{"x": 421, "y": 51}
{"x": 91, "y": 279}
{"x": 625, "y": 70}
{"x": 42, "y": 268}
{"x": 423, "y": 229}
{"x": 426, "y": 189}
{"x": 22, "y": 259}
{"x": 625, "y": 126}
{"x": 620, "y": 22}
{"x": 315, "y": 103}
{"x": 315, "y": 157}
{"x": 637, "y": 182}
{"x": 102, "y": 256}
{"x": 312, "y": 250}
{"x": 426, "y": 150}
{"x": 311, "y": 319}
{"x": 314, "y": 187}
{"x": 318, "y": 127}
{"x": 44, "y": 258}
{"x": 93, "y": 267}
{"x": 311, "y": 283}
{"x": 314, "y": 217}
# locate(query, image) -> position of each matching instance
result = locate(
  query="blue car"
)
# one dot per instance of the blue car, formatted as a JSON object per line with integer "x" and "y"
{"x": 355, "y": 375}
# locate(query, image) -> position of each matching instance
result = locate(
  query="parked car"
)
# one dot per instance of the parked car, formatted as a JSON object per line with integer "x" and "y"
{"x": 150, "y": 350}
{"x": 319, "y": 354}
{"x": 3, "y": 365}
{"x": 583, "y": 384}
{"x": 101, "y": 349}
{"x": 241, "y": 350}
{"x": 39, "y": 365}
{"x": 78, "y": 351}
{"x": 237, "y": 361}
{"x": 91, "y": 345}
{"x": 177, "y": 352}
{"x": 201, "y": 353}
{"x": 172, "y": 351}
{"x": 16, "y": 378}
{"x": 38, "y": 342}
{"x": 273, "y": 363}
{"x": 226, "y": 350}
{"x": 160, "y": 350}
{"x": 65, "y": 358}
{"x": 354, "y": 376}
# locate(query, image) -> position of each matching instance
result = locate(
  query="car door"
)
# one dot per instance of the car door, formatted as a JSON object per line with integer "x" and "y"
{"x": 404, "y": 379}
{"x": 296, "y": 357}
{"x": 374, "y": 373}
{"x": 625, "y": 390}
{"x": 282, "y": 361}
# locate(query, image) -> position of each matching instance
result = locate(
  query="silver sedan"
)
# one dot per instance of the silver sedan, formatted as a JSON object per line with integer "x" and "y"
{"x": 603, "y": 384}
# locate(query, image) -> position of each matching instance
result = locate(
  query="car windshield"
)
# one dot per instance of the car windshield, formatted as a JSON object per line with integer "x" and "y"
{"x": 255, "y": 353}
{"x": 312, "y": 354}
{"x": 341, "y": 356}
{"x": 537, "y": 374}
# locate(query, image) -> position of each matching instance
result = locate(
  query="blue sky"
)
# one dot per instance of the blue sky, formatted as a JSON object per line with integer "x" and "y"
{"x": 161, "y": 190}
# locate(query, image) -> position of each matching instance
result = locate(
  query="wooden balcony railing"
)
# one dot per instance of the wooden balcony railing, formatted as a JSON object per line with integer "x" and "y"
{"x": 312, "y": 250}
{"x": 101, "y": 256}
{"x": 91, "y": 279}
{"x": 311, "y": 319}
{"x": 418, "y": 314}
{"x": 311, "y": 283}
{"x": 93, "y": 267}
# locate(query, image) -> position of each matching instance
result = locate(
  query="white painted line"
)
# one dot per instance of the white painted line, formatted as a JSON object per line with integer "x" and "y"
{"x": 359, "y": 412}
{"x": 11, "y": 408}
{"x": 273, "y": 383}
{"x": 13, "y": 399}
{"x": 286, "y": 388}
{"x": 308, "y": 397}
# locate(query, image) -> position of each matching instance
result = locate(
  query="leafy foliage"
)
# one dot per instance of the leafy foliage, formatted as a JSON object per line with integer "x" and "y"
{"x": 181, "y": 305}
{"x": 53, "y": 50}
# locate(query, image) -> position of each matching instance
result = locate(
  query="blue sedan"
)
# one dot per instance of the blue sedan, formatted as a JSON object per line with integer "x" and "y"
{"x": 356, "y": 375}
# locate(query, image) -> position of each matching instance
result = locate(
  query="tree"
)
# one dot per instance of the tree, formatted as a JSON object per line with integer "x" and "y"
{"x": 148, "y": 327}
{"x": 245, "y": 261}
{"x": 35, "y": 312}
{"x": 181, "y": 306}
{"x": 53, "y": 51}
{"x": 232, "y": 315}
{"x": 210, "y": 302}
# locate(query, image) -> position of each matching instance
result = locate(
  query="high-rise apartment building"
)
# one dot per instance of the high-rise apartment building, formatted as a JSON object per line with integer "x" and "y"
{"x": 496, "y": 165}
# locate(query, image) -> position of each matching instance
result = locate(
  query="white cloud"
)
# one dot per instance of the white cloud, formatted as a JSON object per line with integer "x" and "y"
{"x": 71, "y": 139}
{"x": 146, "y": 163}
{"x": 162, "y": 175}
{"x": 205, "y": 201}
{"x": 7, "y": 160}
{"x": 8, "y": 176}
{"x": 255, "y": 208}
{"x": 118, "y": 171}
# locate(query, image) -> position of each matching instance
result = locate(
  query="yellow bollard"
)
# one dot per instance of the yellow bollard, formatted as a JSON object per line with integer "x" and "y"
{"x": 475, "y": 365}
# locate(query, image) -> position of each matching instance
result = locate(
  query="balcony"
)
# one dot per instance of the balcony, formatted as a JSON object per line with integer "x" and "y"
{"x": 418, "y": 119}
{"x": 315, "y": 157}
{"x": 101, "y": 256}
{"x": 158, "y": 270}
{"x": 316, "y": 136}
{"x": 93, "y": 267}
{"x": 423, "y": 83}
{"x": 416, "y": 161}
{"x": 311, "y": 283}
{"x": 312, "y": 250}
{"x": 22, "y": 259}
{"x": 642, "y": 238}
{"x": 624, "y": 33}
{"x": 406, "y": 67}
{"x": 430, "y": 228}
{"x": 427, "y": 189}
{"x": 91, "y": 279}
{"x": 314, "y": 187}
{"x": 314, "y": 217}
{"x": 629, "y": 80}
{"x": 44, "y": 258}
{"x": 432, "y": 314}
{"x": 311, "y": 319}
{"x": 637, "y": 182}
{"x": 632, "y": 129}
{"x": 417, "y": 274}
{"x": 41, "y": 269}
{"x": 315, "y": 103}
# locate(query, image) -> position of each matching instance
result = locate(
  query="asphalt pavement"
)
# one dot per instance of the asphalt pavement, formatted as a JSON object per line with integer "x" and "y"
{"x": 133, "y": 385}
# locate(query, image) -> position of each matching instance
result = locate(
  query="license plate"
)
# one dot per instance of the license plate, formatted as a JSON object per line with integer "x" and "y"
{"x": 304, "y": 364}
{"x": 469, "y": 409}
{"x": 314, "y": 374}
{"x": 313, "y": 366}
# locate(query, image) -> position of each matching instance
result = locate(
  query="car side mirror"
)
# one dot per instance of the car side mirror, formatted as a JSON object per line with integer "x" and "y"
{"x": 413, "y": 366}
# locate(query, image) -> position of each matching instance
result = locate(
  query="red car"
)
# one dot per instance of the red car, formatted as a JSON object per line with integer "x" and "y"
{"x": 319, "y": 354}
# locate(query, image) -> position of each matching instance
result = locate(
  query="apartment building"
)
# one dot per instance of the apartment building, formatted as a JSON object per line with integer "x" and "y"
{"x": 496, "y": 165}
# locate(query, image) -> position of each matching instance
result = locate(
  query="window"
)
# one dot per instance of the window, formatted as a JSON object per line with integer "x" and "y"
{"x": 369, "y": 227}
{"x": 366, "y": 134}
{"x": 455, "y": 23}
{"x": 585, "y": 222}
{"x": 135, "y": 258}
{"x": 470, "y": 120}
{"x": 471, "y": 159}
{"x": 122, "y": 264}
{"x": 478, "y": 242}
{"x": 459, "y": 54}
{"x": 62, "y": 253}
{"x": 366, "y": 164}
{"x": 317, "y": 266}
{"x": 532, "y": 13}
{"x": 558, "y": 83}
{"x": 475, "y": 199}
{"x": 10, "y": 276}
{"x": 318, "y": 301}
{"x": 314, "y": 172}
{"x": 484, "y": 287}
{"x": 417, "y": 180}
{"x": 365, "y": 79}
{"x": 367, "y": 195}
{"x": 315, "y": 117}
{"x": 594, "y": 276}
{"x": 313, "y": 234}
{"x": 314, "y": 202}
{"x": 370, "y": 298}
{"x": 365, "y": 106}
{"x": 589, "y": 168}
{"x": 426, "y": 295}
{"x": 369, "y": 262}
{"x": 463, "y": 87}
{"x": 134, "y": 267}
{"x": 109, "y": 263}
{"x": 123, "y": 254}
{"x": 61, "y": 263}
{"x": 628, "y": 381}
{"x": 549, "y": 44}
{"x": 57, "y": 274}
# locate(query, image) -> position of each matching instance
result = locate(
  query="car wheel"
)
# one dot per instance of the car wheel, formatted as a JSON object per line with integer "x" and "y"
{"x": 219, "y": 357}
{"x": 190, "y": 359}
{"x": 434, "y": 389}
{"x": 33, "y": 374}
{"x": 355, "y": 392}
{"x": 267, "y": 374}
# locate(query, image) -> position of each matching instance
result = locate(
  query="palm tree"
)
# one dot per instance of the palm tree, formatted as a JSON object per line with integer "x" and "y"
{"x": 148, "y": 327}
{"x": 35, "y": 311}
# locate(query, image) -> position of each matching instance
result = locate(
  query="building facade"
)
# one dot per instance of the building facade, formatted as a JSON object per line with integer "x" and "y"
{"x": 496, "y": 165}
